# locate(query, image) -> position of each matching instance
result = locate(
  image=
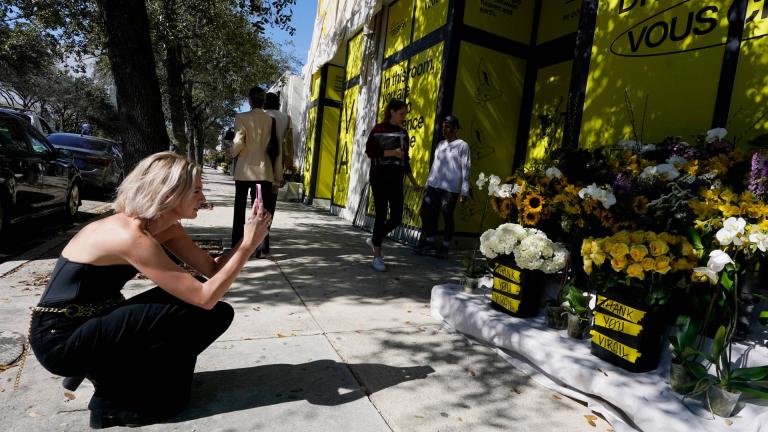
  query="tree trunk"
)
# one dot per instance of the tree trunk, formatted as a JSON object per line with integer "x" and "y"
{"x": 175, "y": 69}
{"x": 139, "y": 104}
{"x": 200, "y": 140}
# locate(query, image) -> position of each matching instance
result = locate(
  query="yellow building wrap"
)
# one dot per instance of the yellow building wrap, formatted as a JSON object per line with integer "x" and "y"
{"x": 487, "y": 98}
{"x": 354, "y": 56}
{"x": 346, "y": 144}
{"x": 328, "y": 136}
{"x": 508, "y": 19}
{"x": 334, "y": 83}
{"x": 430, "y": 15}
{"x": 558, "y": 18}
{"x": 748, "y": 116}
{"x": 399, "y": 26}
{"x": 654, "y": 65}
{"x": 550, "y": 102}
{"x": 309, "y": 146}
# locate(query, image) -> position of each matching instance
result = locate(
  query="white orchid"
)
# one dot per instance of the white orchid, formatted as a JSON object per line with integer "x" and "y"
{"x": 667, "y": 170}
{"x": 553, "y": 172}
{"x": 604, "y": 195}
{"x": 717, "y": 262}
{"x": 677, "y": 161}
{"x": 493, "y": 189}
{"x": 731, "y": 232}
{"x": 647, "y": 148}
{"x": 759, "y": 238}
{"x": 481, "y": 180}
{"x": 716, "y": 134}
{"x": 494, "y": 180}
{"x": 627, "y": 144}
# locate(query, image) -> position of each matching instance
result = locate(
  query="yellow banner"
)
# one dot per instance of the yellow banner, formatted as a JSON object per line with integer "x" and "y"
{"x": 748, "y": 116}
{"x": 549, "y": 108}
{"x": 507, "y": 303}
{"x": 309, "y": 145}
{"x": 507, "y": 272}
{"x": 328, "y": 138}
{"x": 508, "y": 19}
{"x": 664, "y": 58}
{"x": 315, "y": 86}
{"x": 430, "y": 16}
{"x": 488, "y": 92}
{"x": 627, "y": 353}
{"x": 354, "y": 56}
{"x": 399, "y": 25}
{"x": 334, "y": 86}
{"x": 558, "y": 18}
{"x": 624, "y": 311}
{"x": 617, "y": 324}
{"x": 506, "y": 286}
{"x": 346, "y": 143}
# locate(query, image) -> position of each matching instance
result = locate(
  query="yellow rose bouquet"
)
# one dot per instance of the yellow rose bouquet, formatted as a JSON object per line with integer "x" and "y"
{"x": 643, "y": 262}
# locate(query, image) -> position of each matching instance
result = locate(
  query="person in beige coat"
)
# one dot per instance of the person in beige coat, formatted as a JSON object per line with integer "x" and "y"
{"x": 253, "y": 131}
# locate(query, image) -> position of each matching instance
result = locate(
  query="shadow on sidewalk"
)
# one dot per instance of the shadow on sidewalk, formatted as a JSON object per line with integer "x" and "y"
{"x": 321, "y": 382}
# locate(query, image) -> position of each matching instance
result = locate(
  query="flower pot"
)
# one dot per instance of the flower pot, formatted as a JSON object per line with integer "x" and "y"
{"x": 557, "y": 317}
{"x": 680, "y": 378}
{"x": 516, "y": 292}
{"x": 626, "y": 332}
{"x": 577, "y": 327}
{"x": 721, "y": 401}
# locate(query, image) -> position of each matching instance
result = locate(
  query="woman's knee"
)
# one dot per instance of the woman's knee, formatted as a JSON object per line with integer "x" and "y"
{"x": 224, "y": 313}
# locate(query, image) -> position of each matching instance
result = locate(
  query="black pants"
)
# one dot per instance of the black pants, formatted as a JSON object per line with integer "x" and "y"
{"x": 437, "y": 202}
{"x": 242, "y": 189}
{"x": 140, "y": 356}
{"x": 387, "y": 194}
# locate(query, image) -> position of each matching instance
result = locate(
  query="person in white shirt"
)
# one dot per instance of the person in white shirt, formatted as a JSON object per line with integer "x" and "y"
{"x": 448, "y": 182}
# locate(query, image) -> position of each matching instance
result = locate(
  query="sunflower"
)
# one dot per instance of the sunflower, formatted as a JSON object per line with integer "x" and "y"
{"x": 530, "y": 218}
{"x": 534, "y": 203}
{"x": 640, "y": 204}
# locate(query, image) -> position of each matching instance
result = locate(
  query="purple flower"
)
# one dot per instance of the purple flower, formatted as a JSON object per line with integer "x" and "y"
{"x": 758, "y": 176}
{"x": 623, "y": 183}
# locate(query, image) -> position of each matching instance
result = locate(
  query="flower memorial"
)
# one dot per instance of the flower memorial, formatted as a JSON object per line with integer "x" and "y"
{"x": 530, "y": 247}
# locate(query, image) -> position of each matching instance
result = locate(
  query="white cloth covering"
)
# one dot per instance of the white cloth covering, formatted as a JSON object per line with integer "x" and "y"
{"x": 629, "y": 401}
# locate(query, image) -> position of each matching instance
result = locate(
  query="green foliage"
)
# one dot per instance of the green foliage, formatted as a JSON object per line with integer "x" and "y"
{"x": 578, "y": 303}
{"x": 684, "y": 340}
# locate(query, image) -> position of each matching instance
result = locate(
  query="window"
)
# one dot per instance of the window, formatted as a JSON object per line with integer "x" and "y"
{"x": 11, "y": 137}
{"x": 38, "y": 142}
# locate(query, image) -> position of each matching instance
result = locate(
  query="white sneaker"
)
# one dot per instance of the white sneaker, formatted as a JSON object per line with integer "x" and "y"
{"x": 378, "y": 264}
{"x": 369, "y": 242}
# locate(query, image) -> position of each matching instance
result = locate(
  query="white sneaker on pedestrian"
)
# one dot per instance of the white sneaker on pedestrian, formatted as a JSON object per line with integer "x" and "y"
{"x": 369, "y": 242}
{"x": 378, "y": 264}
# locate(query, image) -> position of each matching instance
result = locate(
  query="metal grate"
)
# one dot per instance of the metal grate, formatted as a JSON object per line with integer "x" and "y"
{"x": 409, "y": 231}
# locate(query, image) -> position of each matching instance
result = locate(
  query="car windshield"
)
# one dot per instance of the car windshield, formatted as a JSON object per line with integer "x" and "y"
{"x": 77, "y": 142}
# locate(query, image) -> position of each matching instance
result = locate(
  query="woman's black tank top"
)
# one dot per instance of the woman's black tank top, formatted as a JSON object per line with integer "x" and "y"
{"x": 80, "y": 283}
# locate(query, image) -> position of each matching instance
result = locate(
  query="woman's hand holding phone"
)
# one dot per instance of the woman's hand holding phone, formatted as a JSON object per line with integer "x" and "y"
{"x": 257, "y": 223}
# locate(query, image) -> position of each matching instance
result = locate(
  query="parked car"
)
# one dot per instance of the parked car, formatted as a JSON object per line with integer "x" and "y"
{"x": 100, "y": 160}
{"x": 35, "y": 178}
{"x": 32, "y": 117}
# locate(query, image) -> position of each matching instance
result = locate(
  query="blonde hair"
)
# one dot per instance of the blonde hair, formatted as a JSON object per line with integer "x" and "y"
{"x": 158, "y": 183}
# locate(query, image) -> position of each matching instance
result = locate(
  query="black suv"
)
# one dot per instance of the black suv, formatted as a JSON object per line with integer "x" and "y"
{"x": 35, "y": 178}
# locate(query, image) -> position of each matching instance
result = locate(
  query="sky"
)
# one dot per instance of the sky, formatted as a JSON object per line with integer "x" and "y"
{"x": 303, "y": 20}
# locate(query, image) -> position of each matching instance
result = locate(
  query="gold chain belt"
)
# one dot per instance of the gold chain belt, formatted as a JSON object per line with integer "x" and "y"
{"x": 70, "y": 311}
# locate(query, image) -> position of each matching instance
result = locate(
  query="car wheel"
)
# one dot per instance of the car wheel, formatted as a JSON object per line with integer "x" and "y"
{"x": 73, "y": 200}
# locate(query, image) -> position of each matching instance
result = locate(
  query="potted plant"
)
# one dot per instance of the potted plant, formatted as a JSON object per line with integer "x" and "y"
{"x": 684, "y": 352}
{"x": 578, "y": 312}
{"x": 473, "y": 270}
{"x": 634, "y": 274}
{"x": 724, "y": 388}
{"x": 519, "y": 258}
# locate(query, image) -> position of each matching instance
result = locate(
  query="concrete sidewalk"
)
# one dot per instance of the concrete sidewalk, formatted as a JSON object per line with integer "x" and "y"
{"x": 320, "y": 342}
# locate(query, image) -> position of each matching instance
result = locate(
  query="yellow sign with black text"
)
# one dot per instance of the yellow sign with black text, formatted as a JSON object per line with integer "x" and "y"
{"x": 487, "y": 99}
{"x": 430, "y": 15}
{"x": 628, "y": 313}
{"x": 617, "y": 324}
{"x": 558, "y": 18}
{"x": 511, "y": 19}
{"x": 507, "y": 303}
{"x": 399, "y": 26}
{"x": 309, "y": 146}
{"x": 328, "y": 136}
{"x": 346, "y": 143}
{"x": 507, "y": 272}
{"x": 354, "y": 56}
{"x": 334, "y": 86}
{"x": 654, "y": 70}
{"x": 506, "y": 286}
{"x": 627, "y": 353}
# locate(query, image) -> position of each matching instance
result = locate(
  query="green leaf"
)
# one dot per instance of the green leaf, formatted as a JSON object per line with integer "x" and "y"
{"x": 698, "y": 371}
{"x": 718, "y": 344}
{"x": 752, "y": 391}
{"x": 763, "y": 317}
{"x": 726, "y": 281}
{"x": 695, "y": 239}
{"x": 751, "y": 373}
